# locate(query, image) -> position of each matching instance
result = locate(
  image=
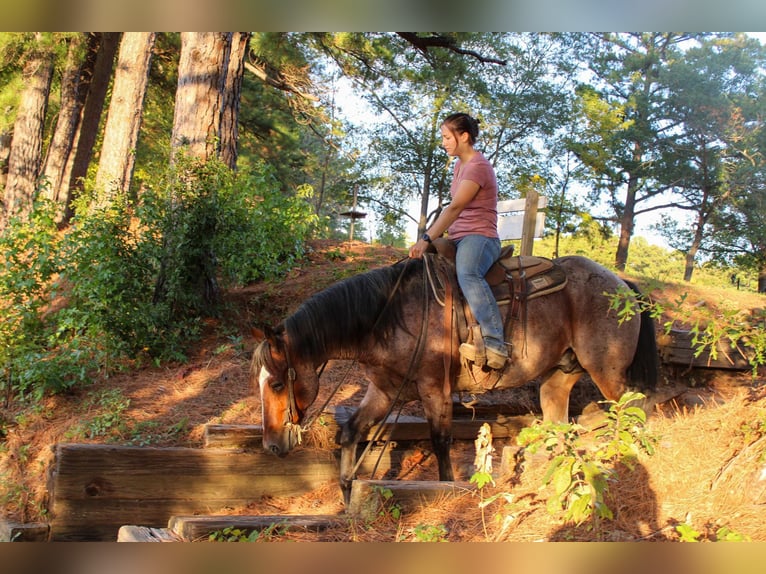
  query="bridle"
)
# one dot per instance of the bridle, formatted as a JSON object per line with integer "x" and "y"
{"x": 297, "y": 430}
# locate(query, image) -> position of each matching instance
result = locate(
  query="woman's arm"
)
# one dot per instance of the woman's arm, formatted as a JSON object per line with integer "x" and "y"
{"x": 465, "y": 193}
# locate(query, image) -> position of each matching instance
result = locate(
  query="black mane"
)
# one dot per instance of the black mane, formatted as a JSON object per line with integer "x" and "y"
{"x": 345, "y": 314}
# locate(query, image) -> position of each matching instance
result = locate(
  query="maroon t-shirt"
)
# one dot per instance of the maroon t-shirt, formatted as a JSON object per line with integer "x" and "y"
{"x": 480, "y": 215}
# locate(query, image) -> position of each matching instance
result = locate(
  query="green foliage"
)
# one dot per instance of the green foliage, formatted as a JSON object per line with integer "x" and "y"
{"x": 687, "y": 533}
{"x": 131, "y": 281}
{"x": 430, "y": 533}
{"x": 711, "y": 330}
{"x": 29, "y": 260}
{"x": 231, "y": 534}
{"x": 387, "y": 508}
{"x": 579, "y": 475}
{"x": 102, "y": 415}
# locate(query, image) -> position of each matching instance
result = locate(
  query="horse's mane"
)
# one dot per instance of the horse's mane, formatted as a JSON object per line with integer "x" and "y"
{"x": 345, "y": 314}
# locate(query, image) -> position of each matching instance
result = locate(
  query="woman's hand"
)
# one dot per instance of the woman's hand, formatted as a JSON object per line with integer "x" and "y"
{"x": 417, "y": 250}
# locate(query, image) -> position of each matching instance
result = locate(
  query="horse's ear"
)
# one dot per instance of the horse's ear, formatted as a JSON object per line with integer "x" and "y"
{"x": 261, "y": 334}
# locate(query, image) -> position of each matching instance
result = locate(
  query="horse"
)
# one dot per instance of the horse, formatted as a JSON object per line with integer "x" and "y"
{"x": 388, "y": 320}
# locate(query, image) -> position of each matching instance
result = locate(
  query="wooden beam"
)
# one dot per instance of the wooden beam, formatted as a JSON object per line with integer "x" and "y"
{"x": 406, "y": 429}
{"x": 193, "y": 528}
{"x": 677, "y": 347}
{"x": 130, "y": 533}
{"x": 96, "y": 489}
{"x": 367, "y": 496}
{"x": 23, "y": 532}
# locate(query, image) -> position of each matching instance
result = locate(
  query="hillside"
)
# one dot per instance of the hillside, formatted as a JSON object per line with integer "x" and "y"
{"x": 708, "y": 472}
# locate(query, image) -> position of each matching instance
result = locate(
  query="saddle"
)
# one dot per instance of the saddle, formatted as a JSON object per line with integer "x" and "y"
{"x": 518, "y": 278}
{"x": 514, "y": 281}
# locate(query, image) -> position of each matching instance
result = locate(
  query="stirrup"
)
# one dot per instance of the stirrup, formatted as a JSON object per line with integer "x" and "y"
{"x": 469, "y": 352}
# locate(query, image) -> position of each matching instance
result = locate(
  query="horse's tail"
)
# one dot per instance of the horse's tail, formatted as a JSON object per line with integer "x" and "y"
{"x": 643, "y": 372}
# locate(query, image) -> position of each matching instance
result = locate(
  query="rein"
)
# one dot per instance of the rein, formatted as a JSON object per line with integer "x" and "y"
{"x": 292, "y": 407}
{"x": 414, "y": 359}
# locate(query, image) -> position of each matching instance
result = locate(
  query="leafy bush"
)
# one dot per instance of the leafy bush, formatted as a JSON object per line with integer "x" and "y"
{"x": 580, "y": 474}
{"x": 132, "y": 280}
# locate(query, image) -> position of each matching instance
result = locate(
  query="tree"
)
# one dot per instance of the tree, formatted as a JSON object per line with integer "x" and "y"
{"x": 707, "y": 88}
{"x": 232, "y": 94}
{"x": 626, "y": 134}
{"x": 739, "y": 227}
{"x": 62, "y": 140}
{"x": 115, "y": 168}
{"x": 94, "y": 81}
{"x": 27, "y": 143}
{"x": 199, "y": 97}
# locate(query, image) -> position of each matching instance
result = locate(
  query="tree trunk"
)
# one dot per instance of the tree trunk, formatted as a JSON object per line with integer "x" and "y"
{"x": 66, "y": 125}
{"x": 199, "y": 97}
{"x": 94, "y": 83}
{"x": 231, "y": 98}
{"x": 115, "y": 169}
{"x": 699, "y": 230}
{"x": 5, "y": 150}
{"x": 626, "y": 226}
{"x": 27, "y": 142}
{"x": 762, "y": 279}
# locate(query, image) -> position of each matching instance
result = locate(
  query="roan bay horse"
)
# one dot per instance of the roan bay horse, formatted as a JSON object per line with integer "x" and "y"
{"x": 389, "y": 321}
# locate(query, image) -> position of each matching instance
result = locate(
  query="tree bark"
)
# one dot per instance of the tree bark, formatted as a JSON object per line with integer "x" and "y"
{"x": 69, "y": 115}
{"x": 5, "y": 150}
{"x": 115, "y": 169}
{"x": 27, "y": 142}
{"x": 199, "y": 97}
{"x": 96, "y": 73}
{"x": 231, "y": 97}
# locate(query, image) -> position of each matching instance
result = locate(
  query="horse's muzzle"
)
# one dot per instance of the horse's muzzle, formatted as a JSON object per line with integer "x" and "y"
{"x": 275, "y": 449}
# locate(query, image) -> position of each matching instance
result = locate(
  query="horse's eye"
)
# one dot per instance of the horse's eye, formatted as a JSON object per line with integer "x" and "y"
{"x": 277, "y": 385}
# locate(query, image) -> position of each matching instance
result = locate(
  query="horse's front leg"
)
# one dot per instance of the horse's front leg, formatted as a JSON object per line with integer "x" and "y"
{"x": 437, "y": 404}
{"x": 372, "y": 409}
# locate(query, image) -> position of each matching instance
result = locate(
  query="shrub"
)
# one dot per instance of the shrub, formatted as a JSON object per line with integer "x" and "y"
{"x": 133, "y": 279}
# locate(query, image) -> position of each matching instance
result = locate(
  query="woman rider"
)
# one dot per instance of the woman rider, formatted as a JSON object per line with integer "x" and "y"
{"x": 471, "y": 222}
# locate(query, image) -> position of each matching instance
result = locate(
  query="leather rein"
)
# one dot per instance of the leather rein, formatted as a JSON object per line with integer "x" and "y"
{"x": 292, "y": 407}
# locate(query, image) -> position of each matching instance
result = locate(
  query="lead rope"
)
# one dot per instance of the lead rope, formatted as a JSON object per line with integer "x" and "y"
{"x": 415, "y": 357}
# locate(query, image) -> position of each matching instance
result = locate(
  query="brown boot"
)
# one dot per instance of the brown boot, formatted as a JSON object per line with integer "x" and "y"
{"x": 469, "y": 352}
{"x": 496, "y": 360}
{"x": 493, "y": 359}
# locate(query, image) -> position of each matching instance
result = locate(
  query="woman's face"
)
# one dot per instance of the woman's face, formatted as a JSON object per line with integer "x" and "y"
{"x": 452, "y": 142}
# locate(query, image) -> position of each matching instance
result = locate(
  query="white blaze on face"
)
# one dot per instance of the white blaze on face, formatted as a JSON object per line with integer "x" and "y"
{"x": 263, "y": 375}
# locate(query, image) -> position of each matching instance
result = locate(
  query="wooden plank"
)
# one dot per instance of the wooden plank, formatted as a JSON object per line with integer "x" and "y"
{"x": 131, "y": 533}
{"x": 406, "y": 429}
{"x": 677, "y": 347}
{"x": 11, "y": 531}
{"x": 192, "y": 528}
{"x": 409, "y": 495}
{"x": 95, "y": 489}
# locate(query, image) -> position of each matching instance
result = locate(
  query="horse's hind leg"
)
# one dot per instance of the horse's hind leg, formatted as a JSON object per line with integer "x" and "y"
{"x": 554, "y": 395}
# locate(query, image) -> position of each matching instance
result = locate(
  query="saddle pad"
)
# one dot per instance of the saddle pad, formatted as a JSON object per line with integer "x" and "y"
{"x": 541, "y": 277}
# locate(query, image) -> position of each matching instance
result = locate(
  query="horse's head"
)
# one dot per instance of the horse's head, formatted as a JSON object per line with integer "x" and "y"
{"x": 287, "y": 385}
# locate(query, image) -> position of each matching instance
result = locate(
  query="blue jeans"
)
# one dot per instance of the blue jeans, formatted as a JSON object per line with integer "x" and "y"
{"x": 475, "y": 255}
